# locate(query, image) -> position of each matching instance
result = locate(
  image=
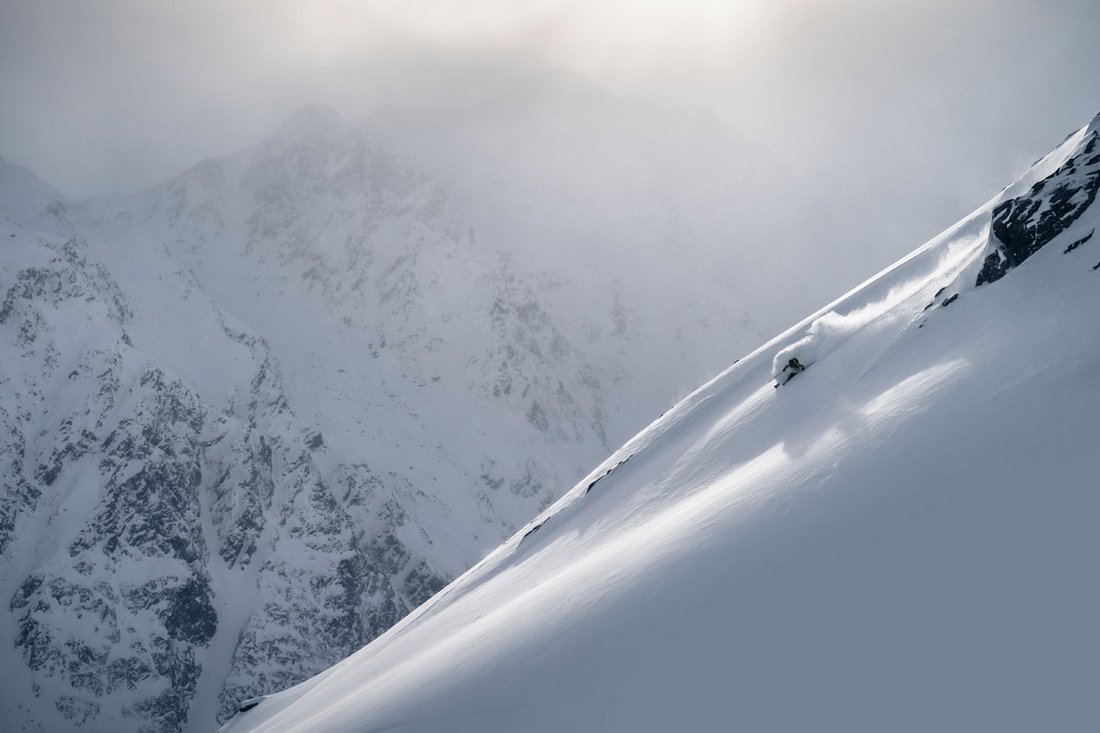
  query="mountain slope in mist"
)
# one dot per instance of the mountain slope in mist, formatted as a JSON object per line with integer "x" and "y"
{"x": 901, "y": 538}
{"x": 255, "y": 415}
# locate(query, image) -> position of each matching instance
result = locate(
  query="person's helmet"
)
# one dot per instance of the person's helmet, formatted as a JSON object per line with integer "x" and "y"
{"x": 792, "y": 362}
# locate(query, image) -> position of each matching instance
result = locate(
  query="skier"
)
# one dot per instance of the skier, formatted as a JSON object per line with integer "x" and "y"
{"x": 788, "y": 372}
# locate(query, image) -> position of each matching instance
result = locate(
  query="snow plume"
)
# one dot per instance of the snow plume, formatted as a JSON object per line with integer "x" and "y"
{"x": 823, "y": 335}
{"x": 830, "y": 330}
{"x": 937, "y": 267}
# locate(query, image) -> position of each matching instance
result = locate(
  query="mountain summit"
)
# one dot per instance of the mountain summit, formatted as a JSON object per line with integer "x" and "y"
{"x": 900, "y": 538}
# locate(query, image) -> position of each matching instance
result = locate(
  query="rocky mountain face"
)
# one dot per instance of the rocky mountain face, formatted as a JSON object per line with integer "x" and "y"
{"x": 161, "y": 550}
{"x": 254, "y": 416}
{"x": 1025, "y": 224}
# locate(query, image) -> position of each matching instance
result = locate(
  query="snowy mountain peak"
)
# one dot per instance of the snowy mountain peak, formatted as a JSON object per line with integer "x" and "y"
{"x": 1094, "y": 125}
{"x": 309, "y": 122}
{"x": 207, "y": 174}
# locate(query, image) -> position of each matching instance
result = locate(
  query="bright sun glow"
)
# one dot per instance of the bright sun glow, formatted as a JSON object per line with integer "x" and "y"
{"x": 611, "y": 38}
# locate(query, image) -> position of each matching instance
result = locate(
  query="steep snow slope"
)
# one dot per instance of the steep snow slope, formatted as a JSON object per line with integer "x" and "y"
{"x": 902, "y": 538}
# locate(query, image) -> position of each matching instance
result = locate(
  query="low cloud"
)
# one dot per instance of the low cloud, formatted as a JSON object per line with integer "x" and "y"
{"x": 873, "y": 125}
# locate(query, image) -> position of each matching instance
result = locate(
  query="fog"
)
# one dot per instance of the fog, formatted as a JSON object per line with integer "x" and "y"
{"x": 879, "y": 122}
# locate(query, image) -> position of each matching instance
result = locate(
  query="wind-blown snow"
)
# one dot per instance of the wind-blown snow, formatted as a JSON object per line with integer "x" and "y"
{"x": 830, "y": 329}
{"x": 902, "y": 538}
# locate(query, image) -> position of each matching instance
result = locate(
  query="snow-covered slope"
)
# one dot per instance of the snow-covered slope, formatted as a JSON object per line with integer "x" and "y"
{"x": 901, "y": 538}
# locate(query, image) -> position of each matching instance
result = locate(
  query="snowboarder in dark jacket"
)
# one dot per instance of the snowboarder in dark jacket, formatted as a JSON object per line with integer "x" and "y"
{"x": 788, "y": 372}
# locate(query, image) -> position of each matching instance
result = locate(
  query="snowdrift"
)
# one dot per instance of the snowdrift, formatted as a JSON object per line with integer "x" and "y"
{"x": 902, "y": 538}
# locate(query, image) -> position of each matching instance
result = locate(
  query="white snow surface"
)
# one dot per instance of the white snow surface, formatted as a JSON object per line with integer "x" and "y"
{"x": 902, "y": 538}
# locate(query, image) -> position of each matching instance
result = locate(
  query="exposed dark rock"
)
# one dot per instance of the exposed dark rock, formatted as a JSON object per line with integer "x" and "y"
{"x": 18, "y": 496}
{"x": 607, "y": 473}
{"x": 77, "y": 710}
{"x": 190, "y": 615}
{"x": 527, "y": 484}
{"x": 1078, "y": 242}
{"x": 1024, "y": 225}
{"x": 421, "y": 584}
{"x": 536, "y": 416}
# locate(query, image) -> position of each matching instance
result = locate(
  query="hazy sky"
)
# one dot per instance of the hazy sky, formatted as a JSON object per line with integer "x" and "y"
{"x": 114, "y": 95}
